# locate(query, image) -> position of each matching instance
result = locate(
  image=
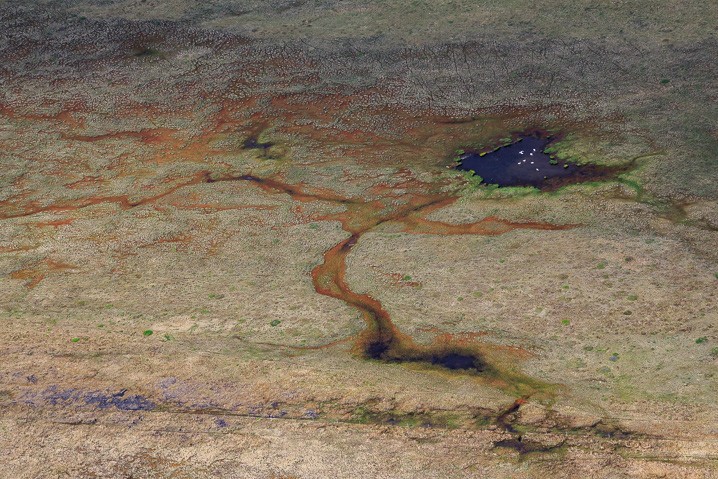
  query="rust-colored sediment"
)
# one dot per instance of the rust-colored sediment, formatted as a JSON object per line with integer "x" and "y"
{"x": 55, "y": 223}
{"x": 489, "y": 226}
{"x": 123, "y": 201}
{"x": 36, "y": 273}
{"x": 382, "y": 339}
{"x": 329, "y": 280}
{"x": 398, "y": 197}
{"x": 298, "y": 192}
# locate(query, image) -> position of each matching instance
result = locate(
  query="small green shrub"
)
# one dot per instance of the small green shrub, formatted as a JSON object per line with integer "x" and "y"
{"x": 701, "y": 340}
{"x": 147, "y": 332}
{"x": 275, "y": 322}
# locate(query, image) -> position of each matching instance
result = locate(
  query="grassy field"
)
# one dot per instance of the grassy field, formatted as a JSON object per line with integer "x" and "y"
{"x": 209, "y": 209}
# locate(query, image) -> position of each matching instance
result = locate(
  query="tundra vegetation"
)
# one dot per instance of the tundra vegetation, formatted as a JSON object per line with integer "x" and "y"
{"x": 229, "y": 229}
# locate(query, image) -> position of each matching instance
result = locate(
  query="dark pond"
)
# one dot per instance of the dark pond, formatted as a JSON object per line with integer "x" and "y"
{"x": 382, "y": 350}
{"x": 458, "y": 361}
{"x": 520, "y": 164}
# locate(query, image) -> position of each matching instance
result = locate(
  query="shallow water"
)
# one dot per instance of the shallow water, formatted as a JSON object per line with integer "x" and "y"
{"x": 520, "y": 164}
{"x": 458, "y": 361}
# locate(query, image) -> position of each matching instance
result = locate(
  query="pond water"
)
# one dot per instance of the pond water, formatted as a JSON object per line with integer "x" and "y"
{"x": 458, "y": 361}
{"x": 520, "y": 164}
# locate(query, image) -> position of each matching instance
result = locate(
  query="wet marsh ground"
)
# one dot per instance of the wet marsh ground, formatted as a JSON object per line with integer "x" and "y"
{"x": 272, "y": 193}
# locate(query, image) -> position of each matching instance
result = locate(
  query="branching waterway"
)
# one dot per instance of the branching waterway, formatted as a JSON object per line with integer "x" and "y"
{"x": 382, "y": 340}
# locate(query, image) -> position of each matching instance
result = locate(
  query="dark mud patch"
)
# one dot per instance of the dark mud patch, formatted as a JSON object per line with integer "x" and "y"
{"x": 525, "y": 163}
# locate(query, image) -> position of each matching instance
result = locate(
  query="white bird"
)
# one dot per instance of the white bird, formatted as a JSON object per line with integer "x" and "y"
{"x": 532, "y": 162}
{"x": 537, "y": 169}
{"x": 521, "y": 152}
{"x": 531, "y": 154}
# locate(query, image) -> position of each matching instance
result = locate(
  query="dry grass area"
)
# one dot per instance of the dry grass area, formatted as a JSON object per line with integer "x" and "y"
{"x": 211, "y": 213}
